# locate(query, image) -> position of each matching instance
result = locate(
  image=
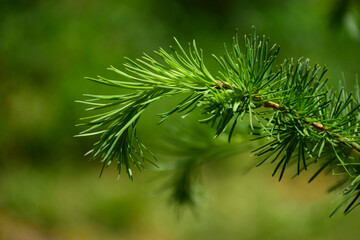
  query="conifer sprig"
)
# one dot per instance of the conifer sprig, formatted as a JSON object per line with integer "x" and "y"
{"x": 304, "y": 121}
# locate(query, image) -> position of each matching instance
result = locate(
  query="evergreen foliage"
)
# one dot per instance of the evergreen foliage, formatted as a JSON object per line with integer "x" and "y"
{"x": 303, "y": 121}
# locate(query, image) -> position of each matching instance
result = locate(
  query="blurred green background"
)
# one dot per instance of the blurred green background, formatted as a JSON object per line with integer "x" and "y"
{"x": 48, "y": 190}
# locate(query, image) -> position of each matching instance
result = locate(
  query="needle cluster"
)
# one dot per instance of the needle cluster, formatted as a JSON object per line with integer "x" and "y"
{"x": 303, "y": 121}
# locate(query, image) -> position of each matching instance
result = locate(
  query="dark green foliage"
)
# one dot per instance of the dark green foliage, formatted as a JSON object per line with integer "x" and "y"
{"x": 289, "y": 104}
{"x": 192, "y": 146}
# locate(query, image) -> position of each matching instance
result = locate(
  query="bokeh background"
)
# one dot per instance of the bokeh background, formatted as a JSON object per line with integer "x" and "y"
{"x": 49, "y": 190}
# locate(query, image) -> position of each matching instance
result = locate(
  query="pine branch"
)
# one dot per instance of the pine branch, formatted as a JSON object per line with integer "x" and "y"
{"x": 288, "y": 104}
{"x": 315, "y": 125}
